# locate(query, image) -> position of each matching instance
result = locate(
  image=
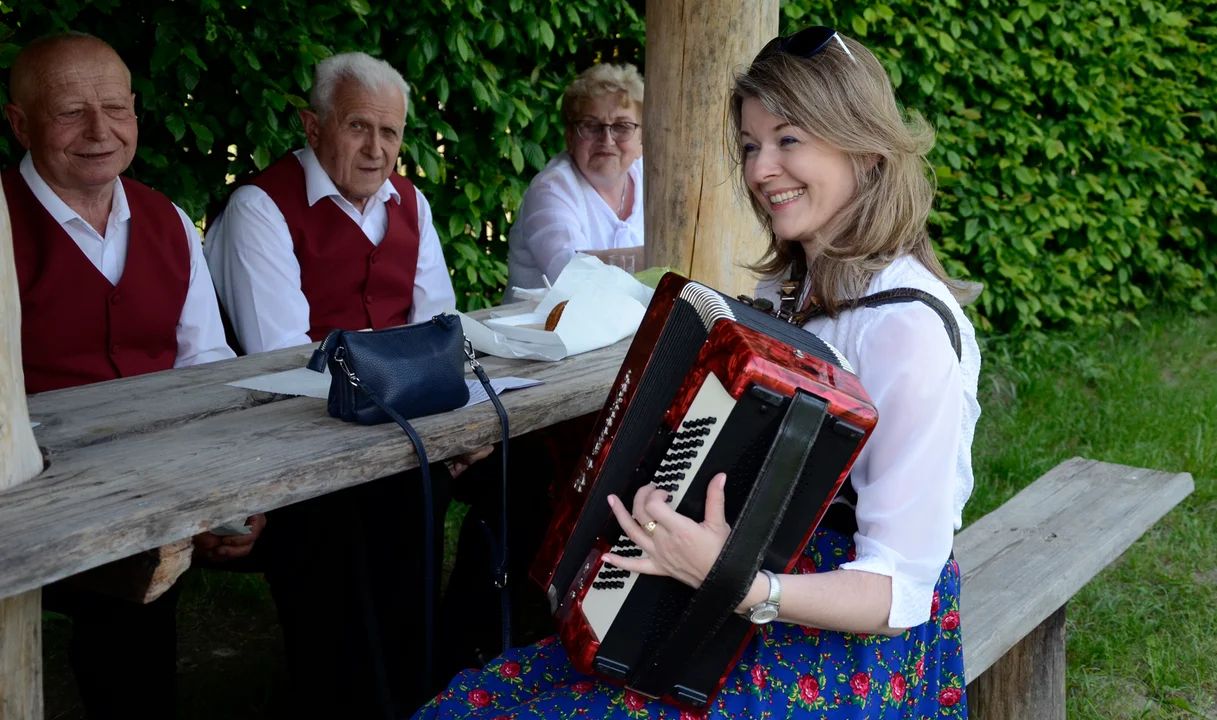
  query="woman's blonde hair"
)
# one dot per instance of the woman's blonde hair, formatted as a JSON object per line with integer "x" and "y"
{"x": 602, "y": 79}
{"x": 846, "y": 100}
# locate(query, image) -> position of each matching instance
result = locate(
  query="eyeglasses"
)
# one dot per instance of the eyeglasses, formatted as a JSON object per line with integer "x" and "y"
{"x": 592, "y": 130}
{"x": 805, "y": 43}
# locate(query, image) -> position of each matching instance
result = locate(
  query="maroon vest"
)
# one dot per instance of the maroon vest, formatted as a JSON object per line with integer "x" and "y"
{"x": 350, "y": 283}
{"x": 76, "y": 327}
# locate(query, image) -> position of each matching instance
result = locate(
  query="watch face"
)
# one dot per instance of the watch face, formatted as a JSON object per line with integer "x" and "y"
{"x": 764, "y": 614}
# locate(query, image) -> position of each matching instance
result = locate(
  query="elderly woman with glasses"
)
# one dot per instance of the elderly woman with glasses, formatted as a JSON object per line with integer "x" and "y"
{"x": 588, "y": 199}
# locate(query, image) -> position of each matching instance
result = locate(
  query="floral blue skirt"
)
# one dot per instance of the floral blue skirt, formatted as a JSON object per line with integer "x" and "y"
{"x": 788, "y": 671}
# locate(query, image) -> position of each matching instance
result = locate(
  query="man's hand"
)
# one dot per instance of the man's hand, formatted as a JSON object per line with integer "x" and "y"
{"x": 460, "y": 463}
{"x": 216, "y": 548}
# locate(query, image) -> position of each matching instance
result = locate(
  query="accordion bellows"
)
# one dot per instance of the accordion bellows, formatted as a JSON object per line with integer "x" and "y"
{"x": 708, "y": 385}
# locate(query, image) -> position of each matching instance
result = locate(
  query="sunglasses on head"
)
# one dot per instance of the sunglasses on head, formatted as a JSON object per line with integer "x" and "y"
{"x": 804, "y": 43}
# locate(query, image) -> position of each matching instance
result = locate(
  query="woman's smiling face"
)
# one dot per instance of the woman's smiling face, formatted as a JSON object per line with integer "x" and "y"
{"x": 800, "y": 180}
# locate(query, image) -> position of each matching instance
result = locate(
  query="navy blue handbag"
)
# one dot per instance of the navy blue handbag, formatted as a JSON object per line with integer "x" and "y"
{"x": 399, "y": 374}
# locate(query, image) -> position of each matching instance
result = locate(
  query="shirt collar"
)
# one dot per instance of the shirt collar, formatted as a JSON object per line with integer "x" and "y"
{"x": 318, "y": 185}
{"x": 119, "y": 210}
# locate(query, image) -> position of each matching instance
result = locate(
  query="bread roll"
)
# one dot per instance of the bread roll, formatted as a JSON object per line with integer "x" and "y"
{"x": 551, "y": 322}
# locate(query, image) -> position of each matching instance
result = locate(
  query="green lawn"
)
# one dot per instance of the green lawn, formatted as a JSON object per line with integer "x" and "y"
{"x": 1142, "y": 636}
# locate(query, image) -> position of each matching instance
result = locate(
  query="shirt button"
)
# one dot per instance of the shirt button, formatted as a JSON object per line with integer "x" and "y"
{"x": 373, "y": 259}
{"x": 368, "y": 299}
{"x": 116, "y": 299}
{"x": 114, "y": 349}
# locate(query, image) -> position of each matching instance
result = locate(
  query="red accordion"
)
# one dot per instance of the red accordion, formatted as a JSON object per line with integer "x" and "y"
{"x": 709, "y": 385}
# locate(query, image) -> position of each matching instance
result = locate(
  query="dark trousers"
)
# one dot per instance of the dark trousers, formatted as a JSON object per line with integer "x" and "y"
{"x": 538, "y": 462}
{"x": 346, "y": 571}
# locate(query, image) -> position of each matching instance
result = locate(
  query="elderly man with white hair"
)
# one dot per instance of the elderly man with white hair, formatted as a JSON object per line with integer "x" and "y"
{"x": 330, "y": 236}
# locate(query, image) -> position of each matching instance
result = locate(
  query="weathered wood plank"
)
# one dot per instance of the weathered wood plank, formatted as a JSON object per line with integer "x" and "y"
{"x": 20, "y": 616}
{"x": 695, "y": 217}
{"x": 105, "y": 501}
{"x": 1028, "y": 681}
{"x": 140, "y": 578}
{"x": 1025, "y": 560}
{"x": 103, "y": 412}
{"x": 21, "y": 657}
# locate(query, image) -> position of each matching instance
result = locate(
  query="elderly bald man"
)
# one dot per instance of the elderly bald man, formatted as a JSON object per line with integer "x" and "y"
{"x": 113, "y": 284}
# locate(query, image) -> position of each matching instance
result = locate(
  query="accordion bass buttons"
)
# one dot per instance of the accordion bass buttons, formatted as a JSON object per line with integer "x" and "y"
{"x": 614, "y": 408}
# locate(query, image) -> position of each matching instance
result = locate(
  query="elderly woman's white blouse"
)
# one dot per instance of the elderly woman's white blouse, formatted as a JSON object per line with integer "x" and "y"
{"x": 563, "y": 214}
{"x": 915, "y": 472}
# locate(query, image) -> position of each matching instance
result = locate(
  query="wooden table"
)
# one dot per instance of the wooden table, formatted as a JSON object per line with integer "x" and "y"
{"x": 142, "y": 462}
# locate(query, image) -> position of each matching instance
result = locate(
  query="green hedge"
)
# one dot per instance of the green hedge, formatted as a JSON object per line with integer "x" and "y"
{"x": 218, "y": 87}
{"x": 1076, "y": 140}
{"x": 1076, "y": 145}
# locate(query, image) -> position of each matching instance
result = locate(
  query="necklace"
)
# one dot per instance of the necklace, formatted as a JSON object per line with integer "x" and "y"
{"x": 624, "y": 188}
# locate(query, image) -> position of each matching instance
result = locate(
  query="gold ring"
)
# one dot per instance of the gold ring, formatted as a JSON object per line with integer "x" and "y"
{"x": 650, "y": 527}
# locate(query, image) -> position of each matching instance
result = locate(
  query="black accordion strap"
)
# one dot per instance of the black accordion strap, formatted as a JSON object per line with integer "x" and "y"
{"x": 902, "y": 295}
{"x": 730, "y": 579}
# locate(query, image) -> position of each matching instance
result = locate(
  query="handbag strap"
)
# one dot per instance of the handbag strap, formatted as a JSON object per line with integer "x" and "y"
{"x": 499, "y": 550}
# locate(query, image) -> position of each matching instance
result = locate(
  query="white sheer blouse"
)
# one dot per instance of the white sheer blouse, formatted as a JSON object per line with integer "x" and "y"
{"x": 915, "y": 472}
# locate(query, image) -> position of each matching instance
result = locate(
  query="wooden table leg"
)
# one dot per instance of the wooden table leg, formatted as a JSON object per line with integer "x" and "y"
{"x": 21, "y": 657}
{"x": 1028, "y": 681}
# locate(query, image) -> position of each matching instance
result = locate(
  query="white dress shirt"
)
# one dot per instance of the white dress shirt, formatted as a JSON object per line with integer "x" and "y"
{"x": 915, "y": 472}
{"x": 253, "y": 261}
{"x": 200, "y": 333}
{"x": 563, "y": 214}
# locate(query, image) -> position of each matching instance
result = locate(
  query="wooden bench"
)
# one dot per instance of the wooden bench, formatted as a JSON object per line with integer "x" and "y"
{"x": 1022, "y": 563}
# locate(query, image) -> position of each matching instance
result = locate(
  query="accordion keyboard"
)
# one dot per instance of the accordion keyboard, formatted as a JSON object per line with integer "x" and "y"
{"x": 700, "y": 428}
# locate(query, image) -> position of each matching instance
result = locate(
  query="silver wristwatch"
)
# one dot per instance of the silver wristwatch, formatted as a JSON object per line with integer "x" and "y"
{"x": 766, "y": 611}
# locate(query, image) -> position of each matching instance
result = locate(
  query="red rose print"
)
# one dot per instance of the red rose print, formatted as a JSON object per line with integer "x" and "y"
{"x": 921, "y": 667}
{"x": 502, "y": 717}
{"x": 810, "y": 630}
{"x": 634, "y": 701}
{"x": 510, "y": 669}
{"x": 897, "y": 687}
{"x": 548, "y": 641}
{"x": 806, "y": 565}
{"x": 934, "y": 606}
{"x": 758, "y": 676}
{"x": 950, "y": 621}
{"x": 809, "y": 689}
{"x": 852, "y": 554}
{"x": 690, "y": 715}
{"x": 860, "y": 683}
{"x": 949, "y": 696}
{"x": 582, "y": 686}
{"x": 479, "y": 698}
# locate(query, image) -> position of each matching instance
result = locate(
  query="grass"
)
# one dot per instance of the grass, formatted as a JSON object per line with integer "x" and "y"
{"x": 1142, "y": 635}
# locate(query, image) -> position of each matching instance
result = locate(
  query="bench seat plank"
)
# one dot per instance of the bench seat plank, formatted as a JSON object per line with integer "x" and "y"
{"x": 1026, "y": 559}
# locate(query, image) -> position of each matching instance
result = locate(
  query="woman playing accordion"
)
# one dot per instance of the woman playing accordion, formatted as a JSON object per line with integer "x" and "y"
{"x": 866, "y": 624}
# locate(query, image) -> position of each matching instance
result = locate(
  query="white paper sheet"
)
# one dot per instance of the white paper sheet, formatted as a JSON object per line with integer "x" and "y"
{"x": 305, "y": 382}
{"x": 604, "y": 304}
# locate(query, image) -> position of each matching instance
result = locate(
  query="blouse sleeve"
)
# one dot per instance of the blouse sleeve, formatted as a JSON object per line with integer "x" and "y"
{"x": 552, "y": 229}
{"x": 905, "y": 499}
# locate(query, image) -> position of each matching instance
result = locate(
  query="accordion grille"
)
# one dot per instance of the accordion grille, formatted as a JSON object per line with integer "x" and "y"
{"x": 709, "y": 304}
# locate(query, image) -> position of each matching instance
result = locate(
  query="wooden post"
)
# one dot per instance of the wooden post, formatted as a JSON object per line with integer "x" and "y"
{"x": 1028, "y": 681}
{"x": 696, "y": 220}
{"x": 20, "y": 460}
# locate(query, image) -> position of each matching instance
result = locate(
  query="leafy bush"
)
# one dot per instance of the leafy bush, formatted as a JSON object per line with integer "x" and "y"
{"x": 219, "y": 86}
{"x": 1076, "y": 141}
{"x": 1075, "y": 147}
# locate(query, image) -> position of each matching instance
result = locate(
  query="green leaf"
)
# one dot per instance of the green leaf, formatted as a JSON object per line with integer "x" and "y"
{"x": 859, "y": 25}
{"x": 361, "y": 7}
{"x": 176, "y": 125}
{"x": 163, "y": 54}
{"x": 252, "y": 60}
{"x": 517, "y": 159}
{"x": 441, "y": 91}
{"x": 473, "y": 192}
{"x": 462, "y": 48}
{"x": 187, "y": 76}
{"x": 497, "y": 34}
{"x": 1023, "y": 175}
{"x": 926, "y": 83}
{"x": 203, "y": 136}
{"x": 296, "y": 100}
{"x": 547, "y": 35}
{"x": 261, "y": 158}
{"x": 193, "y": 56}
{"x": 456, "y": 225}
{"x": 971, "y": 228}
{"x": 534, "y": 155}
